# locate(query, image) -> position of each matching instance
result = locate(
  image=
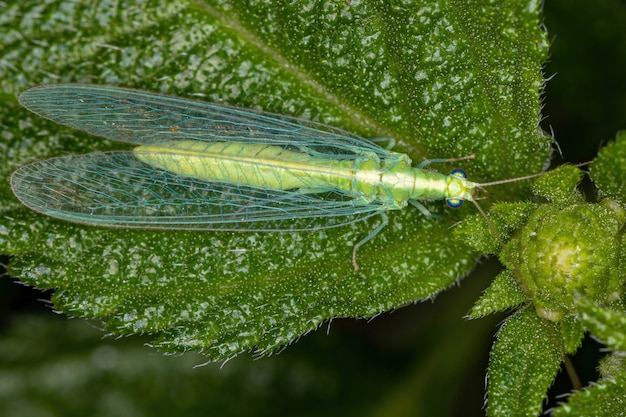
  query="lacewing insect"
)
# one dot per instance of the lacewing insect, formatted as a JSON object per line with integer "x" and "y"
{"x": 203, "y": 166}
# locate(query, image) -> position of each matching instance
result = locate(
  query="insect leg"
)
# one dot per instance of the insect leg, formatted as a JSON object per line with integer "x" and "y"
{"x": 381, "y": 226}
{"x": 391, "y": 142}
{"x": 423, "y": 209}
{"x": 427, "y": 162}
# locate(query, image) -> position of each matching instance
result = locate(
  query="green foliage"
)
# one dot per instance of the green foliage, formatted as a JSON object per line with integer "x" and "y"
{"x": 606, "y": 398}
{"x": 523, "y": 364}
{"x": 442, "y": 79}
{"x": 608, "y": 170}
{"x": 503, "y": 293}
{"x": 565, "y": 268}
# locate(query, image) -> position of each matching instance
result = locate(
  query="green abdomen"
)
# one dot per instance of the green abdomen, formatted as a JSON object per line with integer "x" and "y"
{"x": 256, "y": 165}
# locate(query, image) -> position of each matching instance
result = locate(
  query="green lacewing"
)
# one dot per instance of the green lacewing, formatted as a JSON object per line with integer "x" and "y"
{"x": 204, "y": 166}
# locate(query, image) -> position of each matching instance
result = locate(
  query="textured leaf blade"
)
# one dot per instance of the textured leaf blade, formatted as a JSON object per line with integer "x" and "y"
{"x": 425, "y": 76}
{"x": 523, "y": 364}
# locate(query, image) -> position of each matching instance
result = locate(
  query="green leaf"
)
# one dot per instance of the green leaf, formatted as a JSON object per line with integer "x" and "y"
{"x": 612, "y": 365}
{"x": 608, "y": 169}
{"x": 442, "y": 79}
{"x": 523, "y": 363}
{"x": 506, "y": 218}
{"x": 572, "y": 333}
{"x": 561, "y": 186}
{"x": 503, "y": 293}
{"x": 605, "y": 398}
{"x": 606, "y": 324}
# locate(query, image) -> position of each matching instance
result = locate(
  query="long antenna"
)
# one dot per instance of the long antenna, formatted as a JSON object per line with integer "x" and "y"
{"x": 525, "y": 177}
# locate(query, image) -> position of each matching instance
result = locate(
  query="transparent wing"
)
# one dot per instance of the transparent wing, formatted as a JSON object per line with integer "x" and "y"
{"x": 116, "y": 189}
{"x": 139, "y": 117}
